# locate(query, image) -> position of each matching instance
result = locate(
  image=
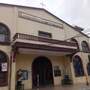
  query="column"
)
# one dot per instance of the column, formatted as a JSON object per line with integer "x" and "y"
{"x": 71, "y": 72}
{"x": 13, "y": 70}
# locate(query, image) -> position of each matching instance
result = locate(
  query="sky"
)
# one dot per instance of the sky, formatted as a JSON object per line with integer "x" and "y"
{"x": 74, "y": 12}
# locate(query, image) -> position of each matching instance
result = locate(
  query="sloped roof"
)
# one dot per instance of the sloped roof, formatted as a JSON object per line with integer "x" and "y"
{"x": 36, "y": 8}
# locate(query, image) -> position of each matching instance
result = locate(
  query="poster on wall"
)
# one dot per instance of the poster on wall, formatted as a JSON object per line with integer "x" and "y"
{"x": 57, "y": 71}
{"x": 24, "y": 75}
{"x": 4, "y": 67}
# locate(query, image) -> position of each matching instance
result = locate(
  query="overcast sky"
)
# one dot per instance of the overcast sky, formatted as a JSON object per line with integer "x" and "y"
{"x": 75, "y": 12}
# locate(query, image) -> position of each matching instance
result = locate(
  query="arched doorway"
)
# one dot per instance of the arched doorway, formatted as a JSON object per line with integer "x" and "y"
{"x": 42, "y": 73}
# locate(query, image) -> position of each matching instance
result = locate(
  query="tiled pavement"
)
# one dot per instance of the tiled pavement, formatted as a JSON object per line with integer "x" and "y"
{"x": 73, "y": 87}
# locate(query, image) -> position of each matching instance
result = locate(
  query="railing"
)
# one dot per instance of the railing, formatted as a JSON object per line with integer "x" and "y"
{"x": 41, "y": 39}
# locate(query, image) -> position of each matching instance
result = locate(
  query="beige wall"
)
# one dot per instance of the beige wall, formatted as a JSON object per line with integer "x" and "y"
{"x": 69, "y": 32}
{"x": 33, "y": 27}
{"x": 9, "y": 17}
{"x": 57, "y": 33}
{"x": 39, "y": 13}
{"x": 24, "y": 61}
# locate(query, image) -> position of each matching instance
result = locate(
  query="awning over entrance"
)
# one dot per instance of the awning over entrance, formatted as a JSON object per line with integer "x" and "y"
{"x": 39, "y": 43}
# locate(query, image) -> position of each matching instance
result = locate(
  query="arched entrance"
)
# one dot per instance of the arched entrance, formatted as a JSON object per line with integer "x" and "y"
{"x": 42, "y": 73}
{"x": 3, "y": 69}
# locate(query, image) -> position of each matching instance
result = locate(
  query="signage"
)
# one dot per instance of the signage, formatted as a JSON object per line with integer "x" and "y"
{"x": 39, "y": 19}
{"x": 4, "y": 67}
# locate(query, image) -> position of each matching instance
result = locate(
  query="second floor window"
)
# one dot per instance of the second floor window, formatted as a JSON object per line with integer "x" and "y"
{"x": 85, "y": 46}
{"x": 44, "y": 34}
{"x": 4, "y": 33}
{"x": 75, "y": 41}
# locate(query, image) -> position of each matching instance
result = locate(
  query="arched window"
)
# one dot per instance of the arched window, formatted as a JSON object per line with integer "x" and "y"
{"x": 4, "y": 33}
{"x": 3, "y": 69}
{"x": 75, "y": 41}
{"x": 85, "y": 46}
{"x": 78, "y": 67}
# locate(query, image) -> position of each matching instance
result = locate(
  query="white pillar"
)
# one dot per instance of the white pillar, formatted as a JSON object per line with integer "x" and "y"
{"x": 13, "y": 70}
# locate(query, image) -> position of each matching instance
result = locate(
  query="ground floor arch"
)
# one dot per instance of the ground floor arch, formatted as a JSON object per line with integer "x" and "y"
{"x": 78, "y": 66}
{"x": 4, "y": 61}
{"x": 42, "y": 73}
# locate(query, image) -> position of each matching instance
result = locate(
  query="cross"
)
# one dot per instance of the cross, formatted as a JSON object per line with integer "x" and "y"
{"x": 42, "y": 4}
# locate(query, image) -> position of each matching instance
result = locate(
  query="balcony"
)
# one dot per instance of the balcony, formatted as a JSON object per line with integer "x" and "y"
{"x": 38, "y": 43}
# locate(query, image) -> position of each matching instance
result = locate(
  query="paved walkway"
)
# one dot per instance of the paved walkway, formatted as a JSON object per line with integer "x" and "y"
{"x": 73, "y": 87}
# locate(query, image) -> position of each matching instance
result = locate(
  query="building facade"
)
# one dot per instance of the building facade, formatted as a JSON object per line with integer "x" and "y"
{"x": 42, "y": 47}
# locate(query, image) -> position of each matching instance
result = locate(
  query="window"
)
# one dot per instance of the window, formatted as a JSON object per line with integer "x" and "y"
{"x": 78, "y": 67}
{"x": 3, "y": 69}
{"x": 45, "y": 34}
{"x": 57, "y": 71}
{"x": 75, "y": 41}
{"x": 4, "y": 33}
{"x": 85, "y": 46}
